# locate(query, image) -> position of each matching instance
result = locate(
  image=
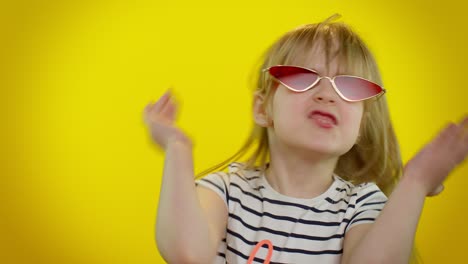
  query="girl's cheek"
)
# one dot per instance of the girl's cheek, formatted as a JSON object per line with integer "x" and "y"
{"x": 351, "y": 118}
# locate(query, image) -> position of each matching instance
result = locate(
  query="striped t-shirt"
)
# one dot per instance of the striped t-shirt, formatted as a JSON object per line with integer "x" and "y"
{"x": 300, "y": 230}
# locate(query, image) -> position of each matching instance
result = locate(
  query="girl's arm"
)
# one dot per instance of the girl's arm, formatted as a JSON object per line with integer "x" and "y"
{"x": 182, "y": 231}
{"x": 190, "y": 222}
{"x": 390, "y": 238}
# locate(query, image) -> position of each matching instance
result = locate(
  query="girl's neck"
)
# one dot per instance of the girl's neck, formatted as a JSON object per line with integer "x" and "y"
{"x": 300, "y": 179}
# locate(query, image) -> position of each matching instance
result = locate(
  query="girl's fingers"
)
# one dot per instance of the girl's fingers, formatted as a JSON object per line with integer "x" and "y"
{"x": 169, "y": 112}
{"x": 463, "y": 141}
{"x": 161, "y": 102}
{"x": 463, "y": 126}
{"x": 447, "y": 132}
{"x": 465, "y": 149}
{"x": 456, "y": 133}
{"x": 148, "y": 107}
{"x": 444, "y": 142}
{"x": 460, "y": 144}
{"x": 465, "y": 120}
{"x": 147, "y": 110}
{"x": 155, "y": 108}
{"x": 170, "y": 109}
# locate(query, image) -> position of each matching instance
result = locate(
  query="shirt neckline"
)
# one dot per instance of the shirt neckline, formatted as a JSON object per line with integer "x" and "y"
{"x": 328, "y": 193}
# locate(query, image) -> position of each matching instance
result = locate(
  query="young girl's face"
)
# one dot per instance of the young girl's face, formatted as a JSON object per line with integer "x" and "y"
{"x": 293, "y": 125}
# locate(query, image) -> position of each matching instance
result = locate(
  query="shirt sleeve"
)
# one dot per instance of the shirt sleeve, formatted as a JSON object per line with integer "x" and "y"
{"x": 369, "y": 203}
{"x": 217, "y": 182}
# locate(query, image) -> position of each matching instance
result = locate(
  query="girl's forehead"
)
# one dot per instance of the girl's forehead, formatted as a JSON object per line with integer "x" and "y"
{"x": 318, "y": 62}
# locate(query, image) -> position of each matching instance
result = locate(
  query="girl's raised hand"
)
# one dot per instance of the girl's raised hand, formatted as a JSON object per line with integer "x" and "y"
{"x": 160, "y": 118}
{"x": 431, "y": 166}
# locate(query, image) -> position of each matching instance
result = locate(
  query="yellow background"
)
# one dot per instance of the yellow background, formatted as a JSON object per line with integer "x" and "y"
{"x": 80, "y": 177}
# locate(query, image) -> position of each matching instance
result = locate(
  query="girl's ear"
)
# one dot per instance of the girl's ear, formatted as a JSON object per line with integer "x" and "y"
{"x": 259, "y": 111}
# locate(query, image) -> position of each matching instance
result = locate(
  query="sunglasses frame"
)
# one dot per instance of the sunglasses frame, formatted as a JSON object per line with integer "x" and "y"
{"x": 332, "y": 80}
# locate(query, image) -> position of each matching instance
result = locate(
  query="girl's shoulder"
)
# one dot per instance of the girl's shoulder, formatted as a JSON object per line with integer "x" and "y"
{"x": 249, "y": 176}
{"x": 241, "y": 169}
{"x": 237, "y": 172}
{"x": 357, "y": 189}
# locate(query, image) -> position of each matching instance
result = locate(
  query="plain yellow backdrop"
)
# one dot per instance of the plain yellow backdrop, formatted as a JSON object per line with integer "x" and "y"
{"x": 80, "y": 177}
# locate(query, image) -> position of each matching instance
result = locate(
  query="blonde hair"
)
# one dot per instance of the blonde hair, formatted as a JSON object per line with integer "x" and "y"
{"x": 376, "y": 155}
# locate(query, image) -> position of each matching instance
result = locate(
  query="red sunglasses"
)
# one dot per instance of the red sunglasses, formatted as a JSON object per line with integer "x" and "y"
{"x": 350, "y": 88}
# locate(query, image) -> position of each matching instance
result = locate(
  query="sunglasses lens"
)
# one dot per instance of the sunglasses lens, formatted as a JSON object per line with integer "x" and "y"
{"x": 297, "y": 78}
{"x": 355, "y": 88}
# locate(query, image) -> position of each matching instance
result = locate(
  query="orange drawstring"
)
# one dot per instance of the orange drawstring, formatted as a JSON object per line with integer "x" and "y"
{"x": 257, "y": 247}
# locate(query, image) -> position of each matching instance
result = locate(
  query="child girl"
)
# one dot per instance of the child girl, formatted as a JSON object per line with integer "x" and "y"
{"x": 325, "y": 161}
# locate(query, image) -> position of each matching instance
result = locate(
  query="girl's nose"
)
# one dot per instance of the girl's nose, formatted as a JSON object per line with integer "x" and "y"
{"x": 324, "y": 92}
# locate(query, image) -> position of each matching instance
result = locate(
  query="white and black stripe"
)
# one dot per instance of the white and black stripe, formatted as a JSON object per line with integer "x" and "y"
{"x": 301, "y": 230}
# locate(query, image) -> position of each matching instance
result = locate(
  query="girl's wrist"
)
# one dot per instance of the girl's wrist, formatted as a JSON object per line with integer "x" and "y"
{"x": 178, "y": 143}
{"x": 413, "y": 184}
